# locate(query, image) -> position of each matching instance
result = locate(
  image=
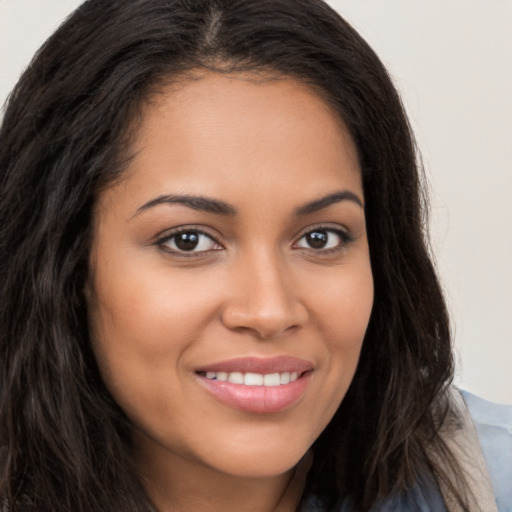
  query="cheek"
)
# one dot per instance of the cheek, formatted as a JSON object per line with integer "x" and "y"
{"x": 341, "y": 310}
{"x": 343, "y": 307}
{"x": 144, "y": 324}
{"x": 146, "y": 310}
{"x": 138, "y": 341}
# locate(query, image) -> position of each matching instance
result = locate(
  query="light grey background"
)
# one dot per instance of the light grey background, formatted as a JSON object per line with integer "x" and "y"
{"x": 452, "y": 62}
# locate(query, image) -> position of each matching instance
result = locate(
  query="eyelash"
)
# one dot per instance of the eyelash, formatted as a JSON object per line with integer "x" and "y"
{"x": 345, "y": 239}
{"x": 162, "y": 242}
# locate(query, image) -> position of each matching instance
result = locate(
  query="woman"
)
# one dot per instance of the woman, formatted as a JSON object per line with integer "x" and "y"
{"x": 216, "y": 292}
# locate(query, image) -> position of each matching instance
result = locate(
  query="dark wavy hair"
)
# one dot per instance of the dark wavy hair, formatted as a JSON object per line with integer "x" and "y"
{"x": 66, "y": 133}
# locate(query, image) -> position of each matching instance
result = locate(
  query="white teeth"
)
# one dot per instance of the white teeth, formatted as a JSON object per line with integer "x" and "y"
{"x": 271, "y": 379}
{"x": 236, "y": 378}
{"x": 284, "y": 378}
{"x": 254, "y": 379}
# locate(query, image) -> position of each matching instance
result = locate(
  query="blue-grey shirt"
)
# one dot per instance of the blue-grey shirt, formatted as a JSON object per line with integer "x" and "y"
{"x": 493, "y": 423}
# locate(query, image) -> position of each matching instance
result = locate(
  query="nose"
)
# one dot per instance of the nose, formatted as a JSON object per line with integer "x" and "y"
{"x": 263, "y": 300}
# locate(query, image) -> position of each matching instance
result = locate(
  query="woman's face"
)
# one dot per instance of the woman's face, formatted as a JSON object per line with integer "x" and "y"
{"x": 231, "y": 285}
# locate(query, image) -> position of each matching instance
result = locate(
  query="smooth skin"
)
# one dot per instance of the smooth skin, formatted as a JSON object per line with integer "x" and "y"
{"x": 265, "y": 270}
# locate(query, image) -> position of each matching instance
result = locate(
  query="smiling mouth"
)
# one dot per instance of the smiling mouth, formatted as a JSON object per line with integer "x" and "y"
{"x": 253, "y": 379}
{"x": 257, "y": 385}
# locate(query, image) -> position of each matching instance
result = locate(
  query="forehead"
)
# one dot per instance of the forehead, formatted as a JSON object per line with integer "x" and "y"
{"x": 213, "y": 133}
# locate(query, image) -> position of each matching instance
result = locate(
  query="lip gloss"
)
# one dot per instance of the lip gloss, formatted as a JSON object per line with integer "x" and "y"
{"x": 257, "y": 398}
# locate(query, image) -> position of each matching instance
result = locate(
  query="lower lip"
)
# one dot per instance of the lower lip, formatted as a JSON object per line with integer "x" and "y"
{"x": 257, "y": 399}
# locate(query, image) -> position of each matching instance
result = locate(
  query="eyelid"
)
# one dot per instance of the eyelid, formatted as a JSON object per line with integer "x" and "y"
{"x": 345, "y": 235}
{"x": 163, "y": 237}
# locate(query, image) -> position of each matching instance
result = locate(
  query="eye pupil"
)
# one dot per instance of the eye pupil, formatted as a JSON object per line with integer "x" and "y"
{"x": 187, "y": 241}
{"x": 317, "y": 239}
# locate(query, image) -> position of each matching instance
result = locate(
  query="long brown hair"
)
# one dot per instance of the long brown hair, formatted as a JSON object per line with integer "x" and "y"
{"x": 64, "y": 441}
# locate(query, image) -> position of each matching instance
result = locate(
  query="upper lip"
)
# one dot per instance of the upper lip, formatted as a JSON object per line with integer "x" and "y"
{"x": 263, "y": 365}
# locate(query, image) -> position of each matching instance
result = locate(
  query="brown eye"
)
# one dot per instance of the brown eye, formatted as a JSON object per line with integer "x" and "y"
{"x": 324, "y": 239}
{"x": 317, "y": 239}
{"x": 189, "y": 241}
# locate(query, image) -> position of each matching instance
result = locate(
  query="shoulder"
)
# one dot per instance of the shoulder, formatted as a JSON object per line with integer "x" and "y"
{"x": 493, "y": 424}
{"x": 486, "y": 448}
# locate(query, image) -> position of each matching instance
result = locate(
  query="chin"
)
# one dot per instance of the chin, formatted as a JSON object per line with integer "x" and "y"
{"x": 262, "y": 458}
{"x": 268, "y": 467}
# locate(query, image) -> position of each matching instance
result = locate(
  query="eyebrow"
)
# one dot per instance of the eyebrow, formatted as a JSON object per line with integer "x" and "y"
{"x": 218, "y": 207}
{"x": 199, "y": 203}
{"x": 324, "y": 202}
